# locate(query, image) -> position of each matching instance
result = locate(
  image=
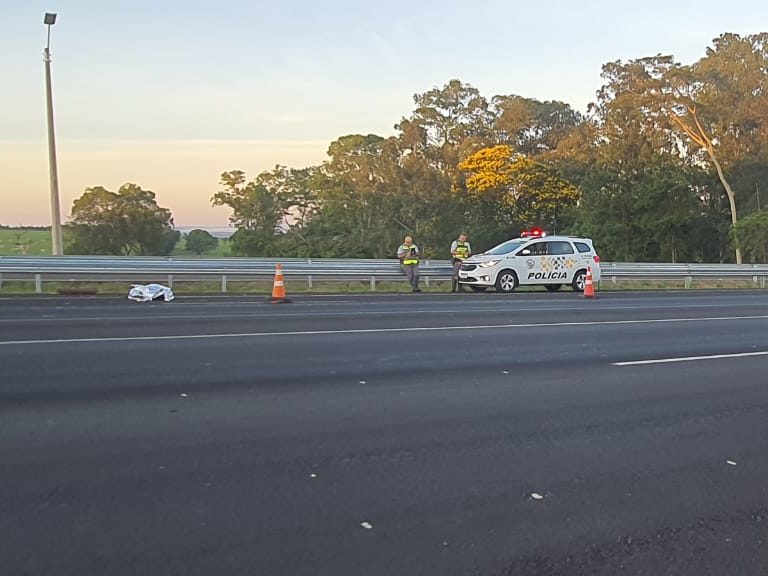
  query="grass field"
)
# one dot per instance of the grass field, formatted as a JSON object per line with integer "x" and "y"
{"x": 25, "y": 242}
{"x": 37, "y": 242}
{"x": 300, "y": 286}
{"x": 221, "y": 251}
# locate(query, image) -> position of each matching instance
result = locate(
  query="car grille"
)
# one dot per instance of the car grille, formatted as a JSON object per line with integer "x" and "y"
{"x": 468, "y": 267}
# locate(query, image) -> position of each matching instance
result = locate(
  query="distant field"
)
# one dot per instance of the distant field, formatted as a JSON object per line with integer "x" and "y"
{"x": 37, "y": 242}
{"x": 25, "y": 241}
{"x": 220, "y": 251}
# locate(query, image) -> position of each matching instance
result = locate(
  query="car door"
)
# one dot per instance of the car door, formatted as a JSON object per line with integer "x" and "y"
{"x": 531, "y": 263}
{"x": 562, "y": 263}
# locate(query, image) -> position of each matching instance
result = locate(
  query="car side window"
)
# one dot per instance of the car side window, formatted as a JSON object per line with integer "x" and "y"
{"x": 538, "y": 249}
{"x": 583, "y": 247}
{"x": 560, "y": 248}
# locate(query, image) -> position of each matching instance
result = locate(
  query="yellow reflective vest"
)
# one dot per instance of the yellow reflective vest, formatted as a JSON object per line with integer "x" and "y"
{"x": 462, "y": 250}
{"x": 412, "y": 254}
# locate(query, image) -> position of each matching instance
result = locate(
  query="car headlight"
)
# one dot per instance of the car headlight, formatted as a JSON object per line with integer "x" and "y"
{"x": 489, "y": 264}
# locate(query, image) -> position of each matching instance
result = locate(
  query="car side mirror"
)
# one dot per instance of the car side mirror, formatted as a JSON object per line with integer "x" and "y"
{"x": 525, "y": 252}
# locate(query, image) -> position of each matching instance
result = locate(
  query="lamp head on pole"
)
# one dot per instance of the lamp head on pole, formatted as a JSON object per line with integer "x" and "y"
{"x": 50, "y": 19}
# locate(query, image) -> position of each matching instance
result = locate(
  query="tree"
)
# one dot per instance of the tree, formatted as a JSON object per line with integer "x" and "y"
{"x": 201, "y": 241}
{"x": 448, "y": 124}
{"x": 258, "y": 208}
{"x": 127, "y": 222}
{"x": 372, "y": 191}
{"x": 751, "y": 235}
{"x": 451, "y": 114}
{"x": 533, "y": 127}
{"x": 713, "y": 111}
{"x": 525, "y": 191}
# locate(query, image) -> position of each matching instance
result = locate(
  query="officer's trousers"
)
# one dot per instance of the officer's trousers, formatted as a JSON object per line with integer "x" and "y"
{"x": 412, "y": 273}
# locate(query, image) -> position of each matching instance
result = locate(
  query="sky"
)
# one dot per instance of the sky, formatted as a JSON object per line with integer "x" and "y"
{"x": 170, "y": 94}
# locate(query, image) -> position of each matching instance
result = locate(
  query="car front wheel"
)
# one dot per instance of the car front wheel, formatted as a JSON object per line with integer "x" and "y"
{"x": 506, "y": 281}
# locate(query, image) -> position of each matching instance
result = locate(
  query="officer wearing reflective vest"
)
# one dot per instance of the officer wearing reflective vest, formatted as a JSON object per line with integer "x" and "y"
{"x": 408, "y": 253}
{"x": 460, "y": 251}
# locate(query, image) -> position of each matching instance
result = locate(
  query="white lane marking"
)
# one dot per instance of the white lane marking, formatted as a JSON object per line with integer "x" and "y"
{"x": 375, "y": 330}
{"x": 690, "y": 359}
{"x": 306, "y": 314}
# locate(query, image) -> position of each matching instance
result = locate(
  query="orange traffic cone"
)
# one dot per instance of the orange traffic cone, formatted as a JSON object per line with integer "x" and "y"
{"x": 278, "y": 288}
{"x": 589, "y": 289}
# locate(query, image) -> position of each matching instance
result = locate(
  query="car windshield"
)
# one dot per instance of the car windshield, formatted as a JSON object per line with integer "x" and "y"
{"x": 506, "y": 247}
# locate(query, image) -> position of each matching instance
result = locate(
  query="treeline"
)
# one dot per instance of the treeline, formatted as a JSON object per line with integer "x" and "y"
{"x": 128, "y": 222}
{"x": 662, "y": 165}
{"x": 667, "y": 164}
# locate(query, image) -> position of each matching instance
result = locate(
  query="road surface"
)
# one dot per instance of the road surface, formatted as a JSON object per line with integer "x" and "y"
{"x": 404, "y": 434}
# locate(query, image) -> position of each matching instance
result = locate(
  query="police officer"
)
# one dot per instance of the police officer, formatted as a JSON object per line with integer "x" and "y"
{"x": 408, "y": 253}
{"x": 460, "y": 251}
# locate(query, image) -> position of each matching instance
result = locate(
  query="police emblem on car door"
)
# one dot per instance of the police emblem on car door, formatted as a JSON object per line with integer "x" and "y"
{"x": 534, "y": 262}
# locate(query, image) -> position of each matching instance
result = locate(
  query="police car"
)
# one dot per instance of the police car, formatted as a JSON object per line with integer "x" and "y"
{"x": 533, "y": 259}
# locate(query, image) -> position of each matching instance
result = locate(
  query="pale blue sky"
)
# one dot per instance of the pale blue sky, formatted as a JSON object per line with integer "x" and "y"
{"x": 259, "y": 82}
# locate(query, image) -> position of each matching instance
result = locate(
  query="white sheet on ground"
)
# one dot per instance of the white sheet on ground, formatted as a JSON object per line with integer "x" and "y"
{"x": 150, "y": 292}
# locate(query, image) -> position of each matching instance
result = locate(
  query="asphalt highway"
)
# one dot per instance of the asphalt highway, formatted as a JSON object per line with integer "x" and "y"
{"x": 532, "y": 434}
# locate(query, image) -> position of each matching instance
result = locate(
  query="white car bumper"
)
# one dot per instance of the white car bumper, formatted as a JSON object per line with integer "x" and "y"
{"x": 478, "y": 277}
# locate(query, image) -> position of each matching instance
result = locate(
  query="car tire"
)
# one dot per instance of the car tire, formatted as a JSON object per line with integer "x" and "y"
{"x": 478, "y": 288}
{"x": 553, "y": 287}
{"x": 579, "y": 281}
{"x": 506, "y": 281}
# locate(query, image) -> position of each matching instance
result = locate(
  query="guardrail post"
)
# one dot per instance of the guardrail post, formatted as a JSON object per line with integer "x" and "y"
{"x": 373, "y": 283}
{"x": 39, "y": 283}
{"x": 426, "y": 281}
{"x": 223, "y": 283}
{"x": 309, "y": 281}
{"x": 762, "y": 282}
{"x": 688, "y": 281}
{"x": 170, "y": 280}
{"x": 1, "y": 280}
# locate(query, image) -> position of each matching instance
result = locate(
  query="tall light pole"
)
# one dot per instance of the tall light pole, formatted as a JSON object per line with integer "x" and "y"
{"x": 56, "y": 236}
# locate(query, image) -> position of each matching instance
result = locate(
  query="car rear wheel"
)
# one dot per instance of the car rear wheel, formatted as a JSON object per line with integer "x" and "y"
{"x": 478, "y": 288}
{"x": 579, "y": 281}
{"x": 553, "y": 287}
{"x": 506, "y": 281}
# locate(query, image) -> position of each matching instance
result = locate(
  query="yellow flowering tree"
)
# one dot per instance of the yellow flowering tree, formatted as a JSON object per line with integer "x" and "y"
{"x": 524, "y": 190}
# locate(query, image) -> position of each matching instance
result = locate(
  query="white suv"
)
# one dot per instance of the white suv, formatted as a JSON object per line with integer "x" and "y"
{"x": 548, "y": 261}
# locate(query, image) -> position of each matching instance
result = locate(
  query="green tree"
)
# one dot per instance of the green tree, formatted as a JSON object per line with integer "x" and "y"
{"x": 451, "y": 114}
{"x": 640, "y": 199}
{"x": 751, "y": 235}
{"x": 127, "y": 222}
{"x": 713, "y": 111}
{"x": 258, "y": 210}
{"x": 372, "y": 191}
{"x": 448, "y": 124}
{"x": 201, "y": 241}
{"x": 533, "y": 127}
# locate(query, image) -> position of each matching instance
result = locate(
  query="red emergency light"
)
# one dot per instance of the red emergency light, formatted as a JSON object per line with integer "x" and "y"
{"x": 533, "y": 233}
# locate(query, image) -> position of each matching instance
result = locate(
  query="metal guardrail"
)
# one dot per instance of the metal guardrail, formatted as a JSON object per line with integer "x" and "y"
{"x": 614, "y": 271}
{"x": 165, "y": 270}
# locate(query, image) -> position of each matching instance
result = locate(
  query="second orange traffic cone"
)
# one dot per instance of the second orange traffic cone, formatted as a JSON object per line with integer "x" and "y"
{"x": 278, "y": 288}
{"x": 589, "y": 288}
